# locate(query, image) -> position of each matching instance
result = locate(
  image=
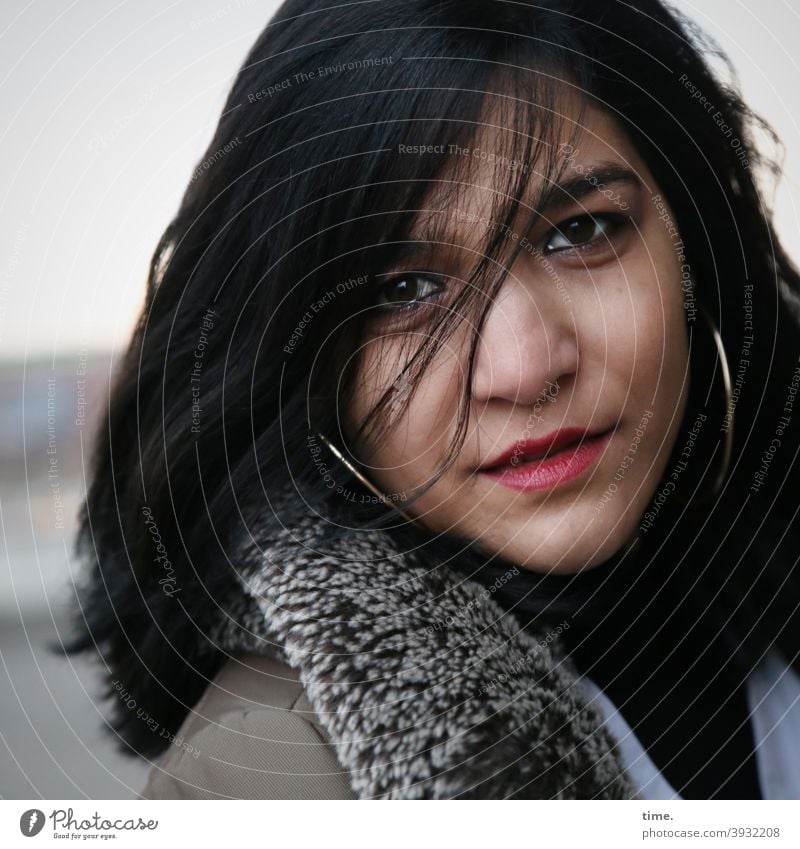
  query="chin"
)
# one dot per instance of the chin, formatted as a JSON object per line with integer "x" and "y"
{"x": 560, "y": 553}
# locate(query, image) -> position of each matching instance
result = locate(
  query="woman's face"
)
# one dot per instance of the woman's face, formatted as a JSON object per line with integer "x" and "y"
{"x": 586, "y": 335}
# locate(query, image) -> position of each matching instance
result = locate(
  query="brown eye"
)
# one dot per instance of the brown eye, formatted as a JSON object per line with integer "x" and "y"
{"x": 579, "y": 232}
{"x": 407, "y": 290}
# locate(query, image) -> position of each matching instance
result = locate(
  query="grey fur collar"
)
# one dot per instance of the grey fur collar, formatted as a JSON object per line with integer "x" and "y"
{"x": 426, "y": 687}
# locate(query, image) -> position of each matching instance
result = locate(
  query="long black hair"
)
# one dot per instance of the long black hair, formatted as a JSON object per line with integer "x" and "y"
{"x": 260, "y": 287}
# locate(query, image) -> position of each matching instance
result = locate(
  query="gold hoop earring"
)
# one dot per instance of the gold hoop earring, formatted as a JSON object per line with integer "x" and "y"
{"x": 727, "y": 448}
{"x": 359, "y": 476}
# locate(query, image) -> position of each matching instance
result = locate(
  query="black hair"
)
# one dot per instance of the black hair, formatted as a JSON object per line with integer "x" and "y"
{"x": 302, "y": 192}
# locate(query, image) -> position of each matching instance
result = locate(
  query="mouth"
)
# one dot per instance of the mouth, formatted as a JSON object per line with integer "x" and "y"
{"x": 548, "y": 462}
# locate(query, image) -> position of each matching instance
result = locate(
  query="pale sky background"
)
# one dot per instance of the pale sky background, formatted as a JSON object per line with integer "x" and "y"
{"x": 107, "y": 108}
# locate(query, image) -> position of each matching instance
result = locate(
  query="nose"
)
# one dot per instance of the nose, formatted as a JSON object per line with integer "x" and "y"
{"x": 528, "y": 342}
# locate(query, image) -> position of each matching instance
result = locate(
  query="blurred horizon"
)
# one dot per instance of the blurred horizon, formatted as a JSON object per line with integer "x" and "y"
{"x": 111, "y": 109}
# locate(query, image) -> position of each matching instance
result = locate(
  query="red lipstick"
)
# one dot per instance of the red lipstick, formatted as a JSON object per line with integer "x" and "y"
{"x": 531, "y": 464}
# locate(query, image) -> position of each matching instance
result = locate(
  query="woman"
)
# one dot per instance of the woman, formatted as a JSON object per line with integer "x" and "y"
{"x": 420, "y": 477}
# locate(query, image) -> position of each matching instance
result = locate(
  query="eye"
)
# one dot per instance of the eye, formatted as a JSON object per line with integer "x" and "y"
{"x": 407, "y": 291}
{"x": 581, "y": 231}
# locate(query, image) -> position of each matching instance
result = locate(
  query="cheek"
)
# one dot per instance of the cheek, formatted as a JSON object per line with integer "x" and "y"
{"x": 422, "y": 422}
{"x": 662, "y": 336}
{"x": 643, "y": 325}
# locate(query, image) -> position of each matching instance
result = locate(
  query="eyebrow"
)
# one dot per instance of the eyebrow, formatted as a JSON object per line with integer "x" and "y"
{"x": 597, "y": 176}
{"x": 576, "y": 188}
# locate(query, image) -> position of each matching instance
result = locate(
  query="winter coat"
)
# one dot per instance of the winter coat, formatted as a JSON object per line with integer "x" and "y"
{"x": 357, "y": 670}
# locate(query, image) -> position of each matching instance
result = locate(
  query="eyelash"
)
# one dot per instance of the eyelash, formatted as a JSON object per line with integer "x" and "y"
{"x": 613, "y": 221}
{"x": 417, "y": 302}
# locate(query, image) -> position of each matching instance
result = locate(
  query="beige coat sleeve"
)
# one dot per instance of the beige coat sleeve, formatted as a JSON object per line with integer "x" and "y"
{"x": 251, "y": 754}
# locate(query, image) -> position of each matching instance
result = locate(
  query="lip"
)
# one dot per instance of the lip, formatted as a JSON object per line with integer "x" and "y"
{"x": 545, "y": 463}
